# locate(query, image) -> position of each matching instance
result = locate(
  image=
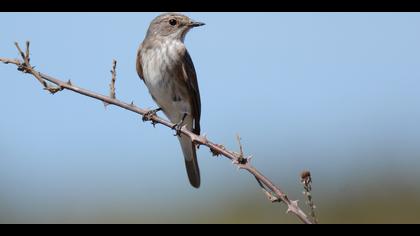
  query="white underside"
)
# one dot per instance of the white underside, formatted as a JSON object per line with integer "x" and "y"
{"x": 160, "y": 82}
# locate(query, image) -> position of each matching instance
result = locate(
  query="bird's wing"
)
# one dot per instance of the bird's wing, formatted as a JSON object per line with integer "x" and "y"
{"x": 139, "y": 67}
{"x": 190, "y": 78}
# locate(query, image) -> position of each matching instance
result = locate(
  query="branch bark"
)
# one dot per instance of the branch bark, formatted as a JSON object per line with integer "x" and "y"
{"x": 273, "y": 192}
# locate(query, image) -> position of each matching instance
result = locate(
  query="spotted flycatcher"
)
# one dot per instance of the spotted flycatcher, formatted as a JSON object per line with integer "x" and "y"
{"x": 164, "y": 65}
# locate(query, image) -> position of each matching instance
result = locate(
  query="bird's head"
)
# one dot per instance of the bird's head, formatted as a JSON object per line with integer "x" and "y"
{"x": 171, "y": 25}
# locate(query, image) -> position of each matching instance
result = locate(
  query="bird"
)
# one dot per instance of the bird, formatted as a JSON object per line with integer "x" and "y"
{"x": 166, "y": 68}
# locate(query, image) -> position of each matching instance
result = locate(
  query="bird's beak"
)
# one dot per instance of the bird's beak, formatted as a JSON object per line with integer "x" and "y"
{"x": 196, "y": 24}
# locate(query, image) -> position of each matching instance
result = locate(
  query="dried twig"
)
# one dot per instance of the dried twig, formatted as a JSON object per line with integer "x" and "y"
{"x": 241, "y": 159}
{"x": 114, "y": 77}
{"x": 271, "y": 189}
{"x": 112, "y": 84}
{"x": 26, "y": 67}
{"x": 306, "y": 180}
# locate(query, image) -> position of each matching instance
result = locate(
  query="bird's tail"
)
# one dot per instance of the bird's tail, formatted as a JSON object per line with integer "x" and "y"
{"x": 191, "y": 164}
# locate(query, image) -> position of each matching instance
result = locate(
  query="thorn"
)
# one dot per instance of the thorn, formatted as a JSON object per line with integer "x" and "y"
{"x": 204, "y": 136}
{"x": 199, "y": 139}
{"x": 69, "y": 83}
{"x": 105, "y": 104}
{"x": 293, "y": 205}
{"x": 132, "y": 103}
{"x": 203, "y": 139}
{"x": 249, "y": 159}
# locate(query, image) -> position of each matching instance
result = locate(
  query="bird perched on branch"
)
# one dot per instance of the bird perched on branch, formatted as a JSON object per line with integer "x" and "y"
{"x": 166, "y": 68}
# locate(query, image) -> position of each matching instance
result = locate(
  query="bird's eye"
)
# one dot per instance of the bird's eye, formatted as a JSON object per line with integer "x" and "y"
{"x": 172, "y": 22}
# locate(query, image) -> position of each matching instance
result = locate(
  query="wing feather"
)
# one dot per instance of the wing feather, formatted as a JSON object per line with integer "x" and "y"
{"x": 190, "y": 78}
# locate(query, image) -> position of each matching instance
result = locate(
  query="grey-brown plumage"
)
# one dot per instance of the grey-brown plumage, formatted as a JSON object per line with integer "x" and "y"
{"x": 166, "y": 68}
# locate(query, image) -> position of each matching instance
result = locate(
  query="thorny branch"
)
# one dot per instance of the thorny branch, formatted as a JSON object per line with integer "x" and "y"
{"x": 274, "y": 193}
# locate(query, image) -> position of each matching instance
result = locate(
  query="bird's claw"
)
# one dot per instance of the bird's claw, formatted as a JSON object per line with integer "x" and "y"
{"x": 177, "y": 127}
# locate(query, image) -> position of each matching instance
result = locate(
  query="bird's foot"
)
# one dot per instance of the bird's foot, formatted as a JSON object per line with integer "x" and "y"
{"x": 148, "y": 116}
{"x": 178, "y": 126}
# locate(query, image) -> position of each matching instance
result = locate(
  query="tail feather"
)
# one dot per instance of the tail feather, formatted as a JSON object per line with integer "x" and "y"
{"x": 191, "y": 164}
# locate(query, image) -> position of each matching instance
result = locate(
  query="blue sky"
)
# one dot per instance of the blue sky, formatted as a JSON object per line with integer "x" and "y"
{"x": 336, "y": 93}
